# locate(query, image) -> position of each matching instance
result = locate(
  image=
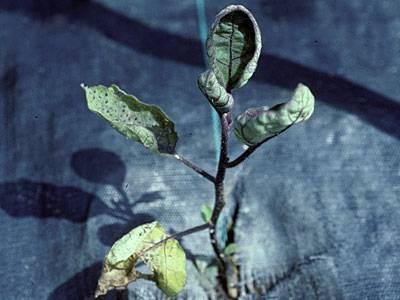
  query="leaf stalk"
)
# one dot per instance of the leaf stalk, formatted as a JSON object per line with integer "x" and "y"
{"x": 194, "y": 167}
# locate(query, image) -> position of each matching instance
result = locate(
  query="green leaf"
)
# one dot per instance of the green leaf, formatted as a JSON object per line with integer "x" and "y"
{"x": 234, "y": 46}
{"x": 206, "y": 213}
{"x": 231, "y": 249}
{"x": 208, "y": 269}
{"x": 167, "y": 261}
{"x": 256, "y": 125}
{"x": 214, "y": 92}
{"x": 140, "y": 122}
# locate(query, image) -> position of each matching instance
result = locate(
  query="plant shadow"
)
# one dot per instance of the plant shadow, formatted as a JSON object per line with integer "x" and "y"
{"x": 82, "y": 286}
{"x": 26, "y": 198}
{"x": 105, "y": 167}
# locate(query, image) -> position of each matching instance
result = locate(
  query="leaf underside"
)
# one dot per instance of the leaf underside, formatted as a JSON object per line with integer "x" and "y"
{"x": 234, "y": 46}
{"x": 167, "y": 260}
{"x": 215, "y": 92}
{"x": 140, "y": 122}
{"x": 258, "y": 124}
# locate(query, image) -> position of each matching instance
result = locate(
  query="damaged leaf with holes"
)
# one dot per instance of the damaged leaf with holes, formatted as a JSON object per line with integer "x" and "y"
{"x": 234, "y": 46}
{"x": 143, "y": 123}
{"x": 256, "y": 125}
{"x": 167, "y": 261}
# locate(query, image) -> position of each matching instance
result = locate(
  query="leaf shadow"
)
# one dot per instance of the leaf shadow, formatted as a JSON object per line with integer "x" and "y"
{"x": 26, "y": 198}
{"x": 110, "y": 233}
{"x": 82, "y": 286}
{"x": 101, "y": 166}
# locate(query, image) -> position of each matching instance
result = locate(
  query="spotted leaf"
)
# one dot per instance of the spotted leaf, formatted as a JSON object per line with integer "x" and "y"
{"x": 140, "y": 122}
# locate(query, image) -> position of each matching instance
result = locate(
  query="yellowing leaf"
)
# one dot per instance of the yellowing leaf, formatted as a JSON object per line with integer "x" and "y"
{"x": 167, "y": 260}
{"x": 143, "y": 123}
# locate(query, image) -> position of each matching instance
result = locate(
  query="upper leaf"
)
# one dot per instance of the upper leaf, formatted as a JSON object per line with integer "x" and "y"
{"x": 215, "y": 92}
{"x": 143, "y": 123}
{"x": 167, "y": 260}
{"x": 258, "y": 124}
{"x": 234, "y": 46}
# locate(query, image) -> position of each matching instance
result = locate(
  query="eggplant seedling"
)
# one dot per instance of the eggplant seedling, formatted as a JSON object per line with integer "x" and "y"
{"x": 233, "y": 49}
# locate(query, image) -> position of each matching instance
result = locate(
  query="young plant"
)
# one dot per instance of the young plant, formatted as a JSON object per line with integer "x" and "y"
{"x": 233, "y": 49}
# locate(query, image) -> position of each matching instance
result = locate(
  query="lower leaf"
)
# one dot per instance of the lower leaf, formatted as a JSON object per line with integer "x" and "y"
{"x": 167, "y": 260}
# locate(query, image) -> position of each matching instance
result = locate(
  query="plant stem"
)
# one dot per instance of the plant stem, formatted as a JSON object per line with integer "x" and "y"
{"x": 195, "y": 167}
{"x": 177, "y": 236}
{"x": 219, "y": 191}
{"x": 253, "y": 148}
{"x": 242, "y": 156}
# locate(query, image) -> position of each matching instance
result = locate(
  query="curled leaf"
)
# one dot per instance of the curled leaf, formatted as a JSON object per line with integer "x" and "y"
{"x": 258, "y": 124}
{"x": 215, "y": 92}
{"x": 167, "y": 261}
{"x": 234, "y": 46}
{"x": 143, "y": 123}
